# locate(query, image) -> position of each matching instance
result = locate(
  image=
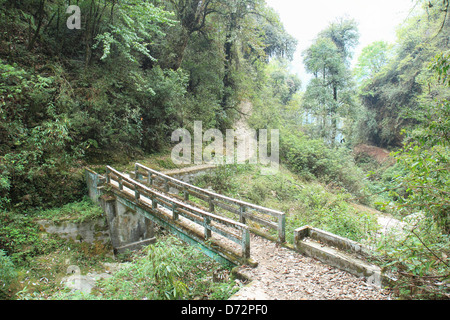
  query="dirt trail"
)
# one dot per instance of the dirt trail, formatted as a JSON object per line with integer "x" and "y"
{"x": 244, "y": 133}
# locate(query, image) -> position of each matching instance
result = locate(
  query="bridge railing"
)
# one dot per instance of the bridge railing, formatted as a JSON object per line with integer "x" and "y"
{"x": 228, "y": 228}
{"x": 244, "y": 210}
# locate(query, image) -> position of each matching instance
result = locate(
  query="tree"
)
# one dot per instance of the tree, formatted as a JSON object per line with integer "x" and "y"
{"x": 426, "y": 157}
{"x": 328, "y": 94}
{"x": 371, "y": 61}
{"x": 137, "y": 22}
{"x": 395, "y": 96}
{"x": 192, "y": 17}
{"x": 344, "y": 34}
{"x": 277, "y": 42}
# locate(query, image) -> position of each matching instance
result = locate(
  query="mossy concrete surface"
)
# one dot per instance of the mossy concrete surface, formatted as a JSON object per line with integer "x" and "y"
{"x": 338, "y": 252}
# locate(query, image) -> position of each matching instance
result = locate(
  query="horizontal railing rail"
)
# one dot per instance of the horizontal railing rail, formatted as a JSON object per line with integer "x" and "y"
{"x": 244, "y": 210}
{"x": 228, "y": 228}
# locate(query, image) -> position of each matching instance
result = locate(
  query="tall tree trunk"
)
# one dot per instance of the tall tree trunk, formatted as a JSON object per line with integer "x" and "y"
{"x": 180, "y": 48}
{"x": 228, "y": 48}
{"x": 334, "y": 116}
{"x": 38, "y": 29}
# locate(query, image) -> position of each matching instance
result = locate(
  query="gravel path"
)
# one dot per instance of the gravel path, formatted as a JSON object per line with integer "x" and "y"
{"x": 283, "y": 274}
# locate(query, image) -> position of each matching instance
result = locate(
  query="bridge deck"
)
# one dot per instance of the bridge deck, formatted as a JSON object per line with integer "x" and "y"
{"x": 227, "y": 237}
{"x": 247, "y": 213}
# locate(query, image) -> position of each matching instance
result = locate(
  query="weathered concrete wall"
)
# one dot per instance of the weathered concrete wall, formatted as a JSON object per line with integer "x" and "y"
{"x": 88, "y": 231}
{"x": 336, "y": 251}
{"x": 330, "y": 239}
{"x": 128, "y": 230}
{"x": 126, "y": 226}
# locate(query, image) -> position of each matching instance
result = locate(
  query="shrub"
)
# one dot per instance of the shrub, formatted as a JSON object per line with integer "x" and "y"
{"x": 312, "y": 159}
{"x": 418, "y": 255}
{"x": 80, "y": 211}
{"x": 167, "y": 270}
{"x": 7, "y": 274}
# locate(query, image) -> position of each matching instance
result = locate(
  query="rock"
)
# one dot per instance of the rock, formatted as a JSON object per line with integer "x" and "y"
{"x": 83, "y": 283}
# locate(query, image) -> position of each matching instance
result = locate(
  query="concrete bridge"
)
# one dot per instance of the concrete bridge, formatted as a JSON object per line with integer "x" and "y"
{"x": 219, "y": 225}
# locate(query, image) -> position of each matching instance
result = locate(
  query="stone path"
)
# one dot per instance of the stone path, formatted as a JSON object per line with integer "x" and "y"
{"x": 283, "y": 274}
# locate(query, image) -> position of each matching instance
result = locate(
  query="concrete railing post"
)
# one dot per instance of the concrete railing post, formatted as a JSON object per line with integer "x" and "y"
{"x": 282, "y": 228}
{"x": 136, "y": 172}
{"x": 174, "y": 212}
{"x": 207, "y": 230}
{"x": 149, "y": 178}
{"x": 246, "y": 243}
{"x": 211, "y": 204}
{"x": 166, "y": 185}
{"x": 108, "y": 178}
{"x": 241, "y": 215}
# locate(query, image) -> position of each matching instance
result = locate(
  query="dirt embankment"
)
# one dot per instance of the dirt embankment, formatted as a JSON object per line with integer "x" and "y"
{"x": 378, "y": 154}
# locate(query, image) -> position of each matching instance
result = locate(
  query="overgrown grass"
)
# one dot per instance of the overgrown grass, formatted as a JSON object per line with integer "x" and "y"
{"x": 33, "y": 263}
{"x": 81, "y": 211}
{"x": 8, "y": 274}
{"x": 304, "y": 202}
{"x": 166, "y": 270}
{"x": 40, "y": 259}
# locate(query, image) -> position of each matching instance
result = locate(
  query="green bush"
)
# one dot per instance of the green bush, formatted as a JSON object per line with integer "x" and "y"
{"x": 418, "y": 255}
{"x": 312, "y": 159}
{"x": 331, "y": 212}
{"x": 7, "y": 274}
{"x": 80, "y": 211}
{"x": 167, "y": 270}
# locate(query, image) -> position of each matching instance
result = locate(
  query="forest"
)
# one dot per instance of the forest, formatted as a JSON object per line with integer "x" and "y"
{"x": 114, "y": 90}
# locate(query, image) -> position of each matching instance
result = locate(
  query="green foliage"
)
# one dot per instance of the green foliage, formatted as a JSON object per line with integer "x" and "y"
{"x": 161, "y": 113}
{"x": 426, "y": 182}
{"x": 313, "y": 159}
{"x": 163, "y": 268}
{"x": 395, "y": 96}
{"x": 81, "y": 211}
{"x": 7, "y": 274}
{"x": 373, "y": 58}
{"x": 418, "y": 254}
{"x": 19, "y": 237}
{"x": 272, "y": 90}
{"x": 425, "y": 159}
{"x": 329, "y": 95}
{"x": 332, "y": 212}
{"x": 417, "y": 186}
{"x": 221, "y": 178}
{"x": 36, "y": 140}
{"x": 118, "y": 87}
{"x": 167, "y": 270}
{"x": 304, "y": 202}
{"x": 136, "y": 24}
{"x": 278, "y": 43}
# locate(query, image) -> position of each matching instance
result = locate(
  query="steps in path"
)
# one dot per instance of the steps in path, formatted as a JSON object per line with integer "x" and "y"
{"x": 339, "y": 252}
{"x": 286, "y": 274}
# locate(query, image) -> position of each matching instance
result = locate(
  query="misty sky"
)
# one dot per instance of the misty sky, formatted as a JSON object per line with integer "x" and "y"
{"x": 377, "y": 19}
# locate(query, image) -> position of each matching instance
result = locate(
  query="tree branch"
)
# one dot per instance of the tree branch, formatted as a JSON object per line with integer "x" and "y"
{"x": 431, "y": 251}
